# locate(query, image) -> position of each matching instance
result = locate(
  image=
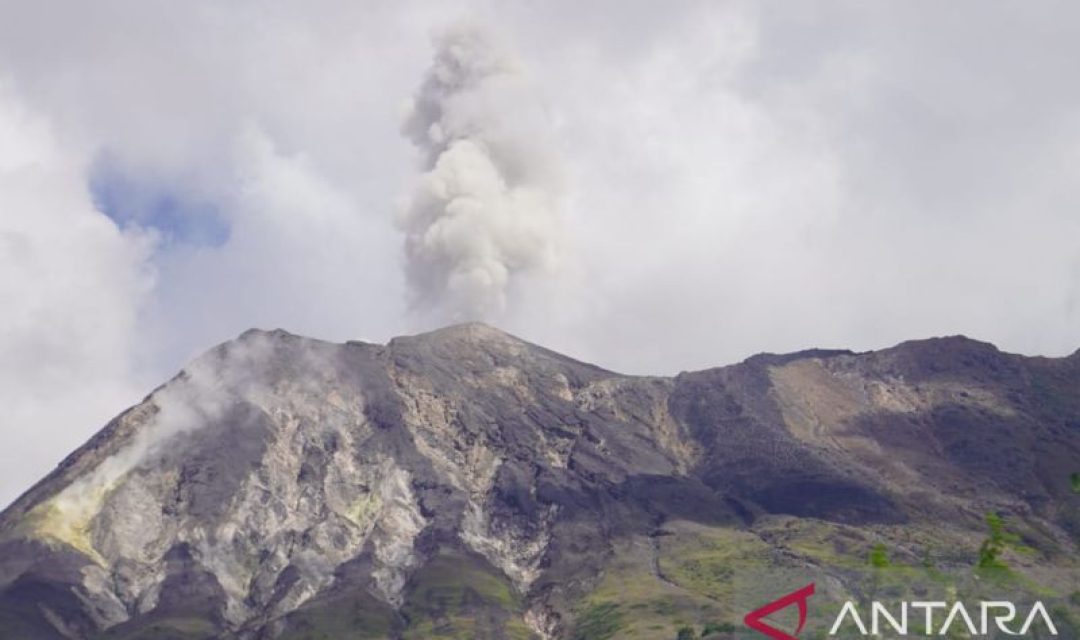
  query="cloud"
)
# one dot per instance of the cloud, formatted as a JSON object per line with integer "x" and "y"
{"x": 729, "y": 178}
{"x": 71, "y": 289}
{"x": 746, "y": 180}
{"x": 301, "y": 255}
{"x": 486, "y": 208}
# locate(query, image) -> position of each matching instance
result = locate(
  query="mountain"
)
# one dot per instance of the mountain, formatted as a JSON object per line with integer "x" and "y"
{"x": 467, "y": 484}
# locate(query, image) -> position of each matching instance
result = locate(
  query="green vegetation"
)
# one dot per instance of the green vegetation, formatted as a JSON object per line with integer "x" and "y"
{"x": 462, "y": 596}
{"x": 598, "y": 622}
{"x": 168, "y": 629}
{"x": 455, "y": 596}
{"x": 355, "y": 614}
{"x": 707, "y": 577}
{"x": 708, "y": 561}
{"x": 1074, "y": 480}
{"x": 718, "y": 627}
{"x": 879, "y": 556}
{"x": 1067, "y": 622}
{"x": 996, "y": 543}
{"x": 637, "y": 599}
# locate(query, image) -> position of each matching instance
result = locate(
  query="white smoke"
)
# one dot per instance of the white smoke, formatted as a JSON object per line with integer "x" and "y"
{"x": 196, "y": 399}
{"x": 486, "y": 208}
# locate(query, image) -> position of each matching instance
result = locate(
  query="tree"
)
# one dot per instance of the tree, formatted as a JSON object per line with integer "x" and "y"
{"x": 686, "y": 633}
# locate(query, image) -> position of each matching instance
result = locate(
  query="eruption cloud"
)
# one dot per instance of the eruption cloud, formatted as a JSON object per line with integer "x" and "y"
{"x": 485, "y": 209}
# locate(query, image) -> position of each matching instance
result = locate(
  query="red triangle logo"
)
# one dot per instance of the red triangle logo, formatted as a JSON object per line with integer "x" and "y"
{"x": 755, "y": 621}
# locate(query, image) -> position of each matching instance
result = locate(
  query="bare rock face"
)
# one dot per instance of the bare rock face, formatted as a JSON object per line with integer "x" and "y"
{"x": 468, "y": 484}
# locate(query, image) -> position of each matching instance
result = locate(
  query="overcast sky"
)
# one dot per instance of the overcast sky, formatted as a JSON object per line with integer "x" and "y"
{"x": 651, "y": 186}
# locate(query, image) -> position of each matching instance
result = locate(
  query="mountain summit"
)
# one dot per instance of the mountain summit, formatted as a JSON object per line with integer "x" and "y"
{"x": 467, "y": 484}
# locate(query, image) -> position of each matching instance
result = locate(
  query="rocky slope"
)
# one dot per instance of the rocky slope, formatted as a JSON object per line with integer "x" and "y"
{"x": 464, "y": 483}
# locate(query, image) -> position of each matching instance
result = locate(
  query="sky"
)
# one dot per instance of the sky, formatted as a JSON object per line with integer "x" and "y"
{"x": 653, "y": 187}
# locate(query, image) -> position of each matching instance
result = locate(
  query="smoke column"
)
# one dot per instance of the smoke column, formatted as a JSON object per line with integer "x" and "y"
{"x": 485, "y": 208}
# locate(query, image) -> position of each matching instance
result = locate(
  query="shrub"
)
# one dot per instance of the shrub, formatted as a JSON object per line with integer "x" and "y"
{"x": 996, "y": 543}
{"x": 879, "y": 556}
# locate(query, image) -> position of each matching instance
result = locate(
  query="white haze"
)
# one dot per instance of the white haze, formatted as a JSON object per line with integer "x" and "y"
{"x": 199, "y": 397}
{"x": 649, "y": 186}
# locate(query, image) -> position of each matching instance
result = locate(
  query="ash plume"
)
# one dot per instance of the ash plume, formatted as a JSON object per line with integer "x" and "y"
{"x": 485, "y": 209}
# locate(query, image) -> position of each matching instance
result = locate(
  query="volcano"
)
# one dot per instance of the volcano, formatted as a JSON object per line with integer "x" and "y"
{"x": 465, "y": 483}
